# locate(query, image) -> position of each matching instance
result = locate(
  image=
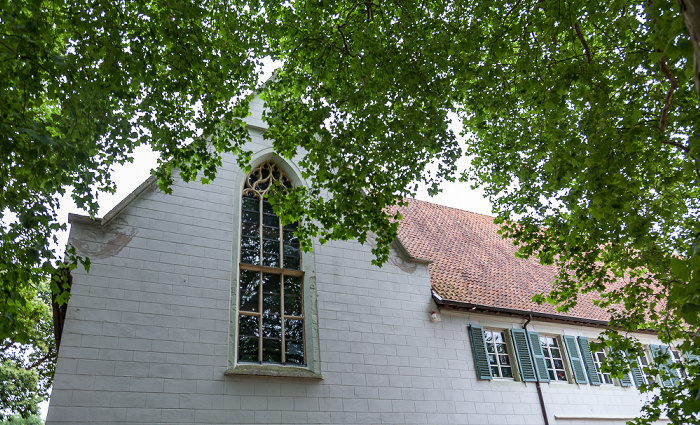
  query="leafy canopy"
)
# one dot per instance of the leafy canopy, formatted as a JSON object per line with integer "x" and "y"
{"x": 26, "y": 369}
{"x": 580, "y": 116}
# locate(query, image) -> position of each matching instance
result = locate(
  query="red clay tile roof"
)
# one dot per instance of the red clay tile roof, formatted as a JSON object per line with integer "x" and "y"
{"x": 473, "y": 264}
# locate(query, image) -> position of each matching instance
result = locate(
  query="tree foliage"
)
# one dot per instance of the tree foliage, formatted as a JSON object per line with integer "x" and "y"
{"x": 26, "y": 369}
{"x": 580, "y": 116}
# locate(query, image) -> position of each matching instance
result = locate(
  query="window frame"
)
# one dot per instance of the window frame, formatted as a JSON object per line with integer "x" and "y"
{"x": 311, "y": 369}
{"x": 509, "y": 354}
{"x": 605, "y": 378}
{"x": 550, "y": 360}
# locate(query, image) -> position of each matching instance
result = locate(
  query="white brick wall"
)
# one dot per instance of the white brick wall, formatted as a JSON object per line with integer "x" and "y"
{"x": 146, "y": 336}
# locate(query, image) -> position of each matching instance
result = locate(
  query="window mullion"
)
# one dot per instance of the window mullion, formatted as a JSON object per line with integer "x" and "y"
{"x": 284, "y": 351}
{"x": 260, "y": 322}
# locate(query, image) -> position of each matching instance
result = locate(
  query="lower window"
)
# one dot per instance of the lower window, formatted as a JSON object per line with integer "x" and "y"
{"x": 497, "y": 350}
{"x": 271, "y": 320}
{"x": 599, "y": 359}
{"x": 553, "y": 358}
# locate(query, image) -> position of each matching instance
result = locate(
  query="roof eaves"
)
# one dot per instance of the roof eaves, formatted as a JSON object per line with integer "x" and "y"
{"x": 481, "y": 308}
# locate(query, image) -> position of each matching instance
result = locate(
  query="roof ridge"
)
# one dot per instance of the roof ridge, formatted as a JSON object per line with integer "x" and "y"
{"x": 448, "y": 207}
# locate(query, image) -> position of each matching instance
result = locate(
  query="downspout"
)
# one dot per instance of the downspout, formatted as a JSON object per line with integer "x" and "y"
{"x": 537, "y": 375}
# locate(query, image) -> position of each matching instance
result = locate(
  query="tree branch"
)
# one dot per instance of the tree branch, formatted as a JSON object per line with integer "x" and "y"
{"x": 5, "y": 348}
{"x": 583, "y": 41}
{"x": 669, "y": 95}
{"x": 340, "y": 29}
{"x": 684, "y": 148}
{"x": 40, "y": 361}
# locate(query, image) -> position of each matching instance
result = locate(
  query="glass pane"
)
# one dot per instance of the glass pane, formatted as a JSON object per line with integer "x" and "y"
{"x": 271, "y": 260}
{"x": 276, "y": 174}
{"x": 271, "y": 304}
{"x": 250, "y": 229}
{"x": 498, "y": 337}
{"x": 272, "y": 350}
{"x": 248, "y": 325}
{"x": 555, "y": 353}
{"x": 295, "y": 352}
{"x": 272, "y": 233}
{"x": 551, "y": 375}
{"x": 558, "y": 364}
{"x": 507, "y": 372}
{"x": 291, "y": 251}
{"x": 501, "y": 349}
{"x": 292, "y": 306}
{"x": 251, "y": 203}
{"x": 250, "y": 257}
{"x": 492, "y": 359}
{"x": 292, "y": 263}
{"x": 250, "y": 244}
{"x": 292, "y": 285}
{"x": 504, "y": 359}
{"x": 253, "y": 177}
{"x": 267, "y": 207}
{"x": 488, "y": 336}
{"x": 250, "y": 217}
{"x": 560, "y": 375}
{"x": 271, "y": 220}
{"x": 552, "y": 342}
{"x": 271, "y": 283}
{"x": 248, "y": 349}
{"x": 494, "y": 371}
{"x": 489, "y": 348}
{"x": 290, "y": 238}
{"x": 272, "y": 326}
{"x": 249, "y": 286}
{"x": 271, "y": 247}
{"x": 291, "y": 226}
{"x": 293, "y": 330}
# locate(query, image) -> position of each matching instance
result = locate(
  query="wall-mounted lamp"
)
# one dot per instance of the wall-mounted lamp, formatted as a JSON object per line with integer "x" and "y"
{"x": 433, "y": 316}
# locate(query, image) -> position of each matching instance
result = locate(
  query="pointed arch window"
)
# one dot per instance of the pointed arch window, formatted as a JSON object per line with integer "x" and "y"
{"x": 270, "y": 309}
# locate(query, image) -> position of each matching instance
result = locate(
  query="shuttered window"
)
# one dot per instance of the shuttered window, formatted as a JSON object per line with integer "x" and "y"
{"x": 587, "y": 357}
{"x": 599, "y": 359}
{"x": 669, "y": 377}
{"x": 497, "y": 351}
{"x": 481, "y": 360}
{"x": 575, "y": 359}
{"x": 552, "y": 358}
{"x": 522, "y": 353}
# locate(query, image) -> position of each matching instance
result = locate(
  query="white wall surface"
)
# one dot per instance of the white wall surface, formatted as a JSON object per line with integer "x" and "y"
{"x": 146, "y": 337}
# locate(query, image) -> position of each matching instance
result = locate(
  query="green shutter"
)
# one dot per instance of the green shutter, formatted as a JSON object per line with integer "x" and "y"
{"x": 575, "y": 359}
{"x": 540, "y": 362}
{"x": 522, "y": 352}
{"x": 626, "y": 381}
{"x": 481, "y": 359}
{"x": 636, "y": 370}
{"x": 591, "y": 369}
{"x": 668, "y": 366}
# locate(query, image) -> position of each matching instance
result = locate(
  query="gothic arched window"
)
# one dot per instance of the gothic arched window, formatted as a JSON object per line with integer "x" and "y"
{"x": 270, "y": 309}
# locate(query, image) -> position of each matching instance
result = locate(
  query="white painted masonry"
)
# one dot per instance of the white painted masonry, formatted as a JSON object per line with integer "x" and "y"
{"x": 146, "y": 338}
